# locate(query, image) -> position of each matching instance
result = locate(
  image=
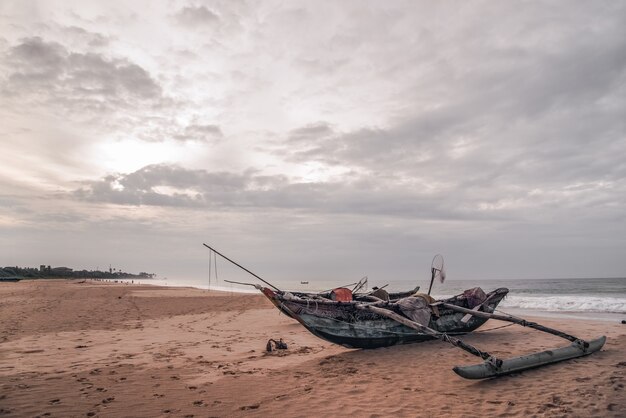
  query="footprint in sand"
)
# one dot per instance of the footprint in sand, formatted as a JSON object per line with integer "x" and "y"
{"x": 54, "y": 401}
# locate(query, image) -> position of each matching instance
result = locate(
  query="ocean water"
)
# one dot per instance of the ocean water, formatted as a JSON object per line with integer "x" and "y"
{"x": 596, "y": 295}
{"x": 593, "y": 298}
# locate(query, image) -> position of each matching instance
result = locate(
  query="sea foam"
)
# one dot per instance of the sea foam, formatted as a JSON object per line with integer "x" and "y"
{"x": 567, "y": 303}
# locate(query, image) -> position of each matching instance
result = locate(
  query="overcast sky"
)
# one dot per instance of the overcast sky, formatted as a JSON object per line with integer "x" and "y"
{"x": 315, "y": 139}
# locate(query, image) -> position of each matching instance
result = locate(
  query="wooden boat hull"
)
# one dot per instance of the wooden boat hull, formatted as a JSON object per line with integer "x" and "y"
{"x": 364, "y": 334}
{"x": 343, "y": 324}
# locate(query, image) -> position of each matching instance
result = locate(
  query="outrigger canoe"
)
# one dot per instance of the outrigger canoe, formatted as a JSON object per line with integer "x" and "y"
{"x": 380, "y": 324}
{"x": 347, "y": 324}
{"x": 377, "y": 323}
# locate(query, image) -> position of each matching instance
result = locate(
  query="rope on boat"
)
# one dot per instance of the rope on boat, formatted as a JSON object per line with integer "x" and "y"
{"x": 506, "y": 313}
{"x": 493, "y": 329}
{"x": 307, "y": 306}
{"x": 212, "y": 261}
{"x": 215, "y": 265}
{"x": 240, "y": 266}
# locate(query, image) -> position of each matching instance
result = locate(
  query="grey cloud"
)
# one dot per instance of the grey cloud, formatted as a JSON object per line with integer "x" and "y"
{"x": 199, "y": 132}
{"x": 504, "y": 169}
{"x": 312, "y": 132}
{"x": 72, "y": 78}
{"x": 141, "y": 187}
{"x": 196, "y": 16}
{"x": 95, "y": 40}
{"x": 368, "y": 147}
{"x": 365, "y": 195}
{"x": 507, "y": 114}
{"x": 169, "y": 175}
{"x": 37, "y": 53}
{"x": 93, "y": 73}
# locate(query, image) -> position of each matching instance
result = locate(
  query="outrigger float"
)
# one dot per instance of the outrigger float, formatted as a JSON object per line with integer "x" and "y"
{"x": 366, "y": 321}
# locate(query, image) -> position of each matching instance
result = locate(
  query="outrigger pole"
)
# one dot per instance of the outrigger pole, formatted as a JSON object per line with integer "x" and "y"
{"x": 240, "y": 266}
{"x": 490, "y": 368}
{"x": 494, "y": 366}
{"x": 518, "y": 321}
{"x": 426, "y": 330}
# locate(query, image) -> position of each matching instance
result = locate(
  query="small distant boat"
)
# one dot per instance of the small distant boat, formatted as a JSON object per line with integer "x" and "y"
{"x": 304, "y": 282}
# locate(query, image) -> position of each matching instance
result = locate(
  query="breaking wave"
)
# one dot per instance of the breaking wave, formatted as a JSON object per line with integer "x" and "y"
{"x": 568, "y": 303}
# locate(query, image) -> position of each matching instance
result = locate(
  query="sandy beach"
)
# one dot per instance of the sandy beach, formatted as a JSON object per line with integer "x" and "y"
{"x": 76, "y": 349}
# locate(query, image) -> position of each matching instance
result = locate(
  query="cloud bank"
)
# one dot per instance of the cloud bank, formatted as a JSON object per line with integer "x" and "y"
{"x": 483, "y": 131}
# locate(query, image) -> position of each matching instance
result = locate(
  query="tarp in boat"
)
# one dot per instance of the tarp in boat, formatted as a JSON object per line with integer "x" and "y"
{"x": 416, "y": 309}
{"x": 474, "y": 297}
{"x": 341, "y": 294}
{"x": 380, "y": 294}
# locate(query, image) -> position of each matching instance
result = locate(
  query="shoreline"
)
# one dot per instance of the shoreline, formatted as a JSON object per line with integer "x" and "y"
{"x": 599, "y": 316}
{"x": 595, "y": 316}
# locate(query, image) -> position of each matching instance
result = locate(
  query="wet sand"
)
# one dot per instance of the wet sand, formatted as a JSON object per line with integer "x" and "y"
{"x": 71, "y": 349}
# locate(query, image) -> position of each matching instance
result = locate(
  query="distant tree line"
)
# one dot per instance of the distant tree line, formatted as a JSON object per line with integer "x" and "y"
{"x": 65, "y": 272}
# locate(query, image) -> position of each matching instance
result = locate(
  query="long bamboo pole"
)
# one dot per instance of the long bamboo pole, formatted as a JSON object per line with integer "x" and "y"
{"x": 240, "y": 266}
{"x": 508, "y": 318}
